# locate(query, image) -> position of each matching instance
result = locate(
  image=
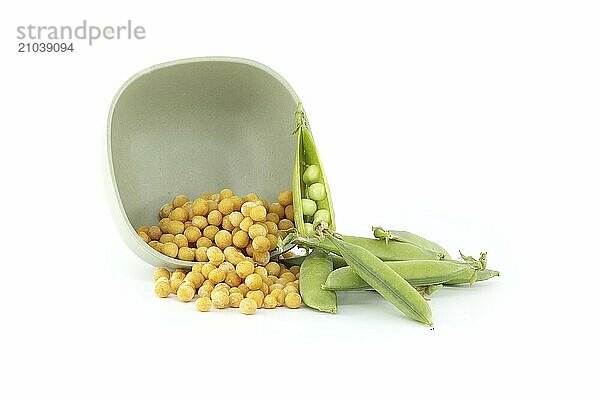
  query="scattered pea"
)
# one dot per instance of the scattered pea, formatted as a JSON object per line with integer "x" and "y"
{"x": 246, "y": 223}
{"x": 285, "y": 224}
{"x": 215, "y": 255}
{"x": 226, "y": 224}
{"x": 257, "y": 230}
{"x": 203, "y": 304}
{"x": 261, "y": 257}
{"x": 275, "y": 286}
{"x": 162, "y": 287}
{"x": 154, "y": 232}
{"x": 195, "y": 277}
{"x": 180, "y": 240}
{"x": 272, "y": 217}
{"x": 217, "y": 275}
{"x": 257, "y": 295}
{"x": 290, "y": 289}
{"x": 223, "y": 239}
{"x": 180, "y": 200}
{"x": 237, "y": 202}
{"x": 222, "y": 286}
{"x": 226, "y": 206}
{"x": 178, "y": 214}
{"x": 244, "y": 268}
{"x": 161, "y": 273}
{"x": 163, "y": 224}
{"x": 166, "y": 238}
{"x": 241, "y": 239}
{"x": 174, "y": 227}
{"x": 243, "y": 289}
{"x": 207, "y": 268}
{"x": 258, "y": 213}
{"x": 165, "y": 210}
{"x": 201, "y": 254}
{"x": 285, "y": 198}
{"x": 200, "y": 207}
{"x": 212, "y": 205}
{"x": 199, "y": 221}
{"x": 170, "y": 249}
{"x": 261, "y": 244}
{"x": 273, "y": 268}
{"x": 248, "y": 306}
{"x": 247, "y": 207}
{"x": 253, "y": 281}
{"x": 205, "y": 291}
{"x": 192, "y": 234}
{"x": 233, "y": 279}
{"x": 236, "y": 218}
{"x": 277, "y": 209}
{"x": 186, "y": 292}
{"x": 197, "y": 267}
{"x": 186, "y": 254}
{"x": 235, "y": 299}
{"x": 270, "y": 301}
{"x": 293, "y": 300}
{"x": 220, "y": 299}
{"x": 289, "y": 212}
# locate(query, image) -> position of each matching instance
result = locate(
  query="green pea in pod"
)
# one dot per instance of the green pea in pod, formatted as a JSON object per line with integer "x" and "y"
{"x": 311, "y": 195}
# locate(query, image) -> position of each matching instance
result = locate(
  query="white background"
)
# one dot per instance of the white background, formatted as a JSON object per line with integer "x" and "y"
{"x": 472, "y": 123}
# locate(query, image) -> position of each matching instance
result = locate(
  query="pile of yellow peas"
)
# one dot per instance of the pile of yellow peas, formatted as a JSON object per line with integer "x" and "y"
{"x": 203, "y": 230}
{"x": 221, "y": 284}
{"x": 230, "y": 238}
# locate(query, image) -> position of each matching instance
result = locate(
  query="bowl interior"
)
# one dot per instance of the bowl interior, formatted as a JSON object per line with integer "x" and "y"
{"x": 199, "y": 126}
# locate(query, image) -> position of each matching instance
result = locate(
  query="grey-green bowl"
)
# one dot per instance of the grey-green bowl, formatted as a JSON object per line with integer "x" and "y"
{"x": 193, "y": 126}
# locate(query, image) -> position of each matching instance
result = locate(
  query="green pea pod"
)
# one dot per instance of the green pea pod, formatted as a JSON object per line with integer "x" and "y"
{"x": 314, "y": 271}
{"x": 391, "y": 251}
{"x": 408, "y": 237}
{"x": 307, "y": 154}
{"x": 338, "y": 261}
{"x": 466, "y": 277}
{"x": 384, "y": 280}
{"x": 416, "y": 272}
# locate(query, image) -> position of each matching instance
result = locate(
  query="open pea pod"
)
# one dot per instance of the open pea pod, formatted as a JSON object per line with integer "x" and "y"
{"x": 311, "y": 194}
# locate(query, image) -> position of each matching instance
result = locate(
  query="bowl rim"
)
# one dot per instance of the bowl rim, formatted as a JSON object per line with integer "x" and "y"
{"x": 128, "y": 232}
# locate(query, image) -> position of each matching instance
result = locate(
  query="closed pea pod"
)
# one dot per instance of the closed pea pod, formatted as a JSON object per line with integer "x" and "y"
{"x": 384, "y": 280}
{"x": 482, "y": 275}
{"x": 391, "y": 251}
{"x": 416, "y": 272}
{"x": 314, "y": 272}
{"x": 408, "y": 237}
